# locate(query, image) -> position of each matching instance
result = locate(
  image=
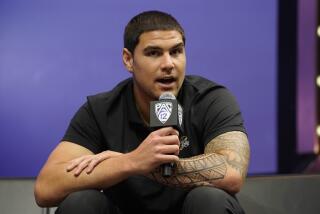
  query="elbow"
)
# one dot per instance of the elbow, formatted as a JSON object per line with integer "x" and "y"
{"x": 40, "y": 200}
{"x": 234, "y": 188}
{"x": 233, "y": 184}
{"x": 39, "y": 195}
{"x": 42, "y": 195}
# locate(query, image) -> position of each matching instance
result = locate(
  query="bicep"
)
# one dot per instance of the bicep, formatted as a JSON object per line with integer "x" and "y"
{"x": 65, "y": 152}
{"x": 234, "y": 147}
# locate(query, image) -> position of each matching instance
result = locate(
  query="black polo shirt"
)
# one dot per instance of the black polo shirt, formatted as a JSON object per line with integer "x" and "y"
{"x": 110, "y": 121}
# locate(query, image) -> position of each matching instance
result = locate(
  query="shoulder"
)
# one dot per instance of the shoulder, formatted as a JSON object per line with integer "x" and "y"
{"x": 105, "y": 99}
{"x": 200, "y": 84}
{"x": 203, "y": 90}
{"x": 214, "y": 110}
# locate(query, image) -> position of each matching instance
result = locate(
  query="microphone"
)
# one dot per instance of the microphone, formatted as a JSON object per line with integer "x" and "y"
{"x": 166, "y": 112}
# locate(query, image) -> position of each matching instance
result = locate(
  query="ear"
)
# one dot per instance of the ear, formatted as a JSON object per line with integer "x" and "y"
{"x": 127, "y": 59}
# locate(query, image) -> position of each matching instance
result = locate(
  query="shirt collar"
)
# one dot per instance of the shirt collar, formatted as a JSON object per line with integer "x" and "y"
{"x": 133, "y": 114}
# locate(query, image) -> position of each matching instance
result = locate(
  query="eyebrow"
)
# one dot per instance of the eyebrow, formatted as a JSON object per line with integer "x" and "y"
{"x": 152, "y": 48}
{"x": 179, "y": 45}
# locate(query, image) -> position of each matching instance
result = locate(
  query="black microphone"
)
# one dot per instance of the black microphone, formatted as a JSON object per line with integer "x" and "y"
{"x": 166, "y": 112}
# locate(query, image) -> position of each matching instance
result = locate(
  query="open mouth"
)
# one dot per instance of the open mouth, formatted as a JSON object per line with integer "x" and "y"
{"x": 166, "y": 80}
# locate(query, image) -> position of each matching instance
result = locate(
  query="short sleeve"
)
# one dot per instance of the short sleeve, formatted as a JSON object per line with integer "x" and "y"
{"x": 83, "y": 130}
{"x": 221, "y": 114}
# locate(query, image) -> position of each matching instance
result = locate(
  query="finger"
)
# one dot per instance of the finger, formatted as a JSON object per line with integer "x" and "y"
{"x": 81, "y": 167}
{"x": 168, "y": 158}
{"x": 114, "y": 154}
{"x": 166, "y": 131}
{"x": 170, "y": 149}
{"x": 92, "y": 165}
{"x": 169, "y": 140}
{"x": 74, "y": 163}
{"x": 71, "y": 166}
{"x": 98, "y": 159}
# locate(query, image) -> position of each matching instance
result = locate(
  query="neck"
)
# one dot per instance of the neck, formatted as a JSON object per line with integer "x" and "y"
{"x": 143, "y": 106}
{"x": 144, "y": 115}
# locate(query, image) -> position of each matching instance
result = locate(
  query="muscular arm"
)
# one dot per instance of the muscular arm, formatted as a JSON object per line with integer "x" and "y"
{"x": 223, "y": 165}
{"x": 55, "y": 182}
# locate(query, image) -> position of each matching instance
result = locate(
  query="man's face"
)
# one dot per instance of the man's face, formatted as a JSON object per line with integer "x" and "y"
{"x": 158, "y": 64}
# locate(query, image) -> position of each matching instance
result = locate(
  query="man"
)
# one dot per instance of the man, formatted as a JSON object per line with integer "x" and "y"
{"x": 109, "y": 145}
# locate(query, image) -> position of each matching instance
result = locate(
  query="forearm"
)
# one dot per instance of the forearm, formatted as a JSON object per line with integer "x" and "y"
{"x": 224, "y": 165}
{"x": 202, "y": 170}
{"x": 54, "y": 183}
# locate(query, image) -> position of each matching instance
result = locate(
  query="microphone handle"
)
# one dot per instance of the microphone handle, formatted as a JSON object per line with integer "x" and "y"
{"x": 167, "y": 169}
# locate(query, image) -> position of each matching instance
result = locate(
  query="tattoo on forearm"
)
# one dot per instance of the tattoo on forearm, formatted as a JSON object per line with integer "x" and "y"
{"x": 201, "y": 168}
{"x": 195, "y": 171}
{"x": 227, "y": 150}
{"x": 234, "y": 146}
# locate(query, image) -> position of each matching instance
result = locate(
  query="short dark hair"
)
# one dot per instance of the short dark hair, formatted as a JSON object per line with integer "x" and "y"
{"x": 149, "y": 21}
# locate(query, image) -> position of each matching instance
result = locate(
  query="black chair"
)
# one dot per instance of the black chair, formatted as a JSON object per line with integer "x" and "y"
{"x": 281, "y": 194}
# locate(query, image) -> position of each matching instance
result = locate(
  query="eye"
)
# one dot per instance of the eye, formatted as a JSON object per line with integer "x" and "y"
{"x": 153, "y": 53}
{"x": 176, "y": 51}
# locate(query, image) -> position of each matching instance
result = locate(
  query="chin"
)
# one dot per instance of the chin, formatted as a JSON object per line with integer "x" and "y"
{"x": 174, "y": 92}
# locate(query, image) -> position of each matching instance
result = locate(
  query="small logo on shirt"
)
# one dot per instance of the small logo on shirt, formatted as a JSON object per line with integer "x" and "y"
{"x": 184, "y": 142}
{"x": 163, "y": 111}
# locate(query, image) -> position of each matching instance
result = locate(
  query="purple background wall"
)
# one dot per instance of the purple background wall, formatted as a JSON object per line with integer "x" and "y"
{"x": 55, "y": 53}
{"x": 306, "y": 67}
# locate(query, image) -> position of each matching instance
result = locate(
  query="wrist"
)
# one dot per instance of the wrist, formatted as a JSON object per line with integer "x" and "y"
{"x": 130, "y": 165}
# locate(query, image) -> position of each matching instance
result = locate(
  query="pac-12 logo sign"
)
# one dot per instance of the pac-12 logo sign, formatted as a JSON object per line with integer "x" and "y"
{"x": 163, "y": 111}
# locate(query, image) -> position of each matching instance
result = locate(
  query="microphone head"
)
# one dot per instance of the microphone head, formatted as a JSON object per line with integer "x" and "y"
{"x": 166, "y": 112}
{"x": 167, "y": 96}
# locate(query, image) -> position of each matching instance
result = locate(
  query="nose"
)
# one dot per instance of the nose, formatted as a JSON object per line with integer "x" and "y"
{"x": 167, "y": 62}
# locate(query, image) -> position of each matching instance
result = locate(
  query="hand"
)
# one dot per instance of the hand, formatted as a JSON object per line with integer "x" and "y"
{"x": 89, "y": 162}
{"x": 161, "y": 146}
